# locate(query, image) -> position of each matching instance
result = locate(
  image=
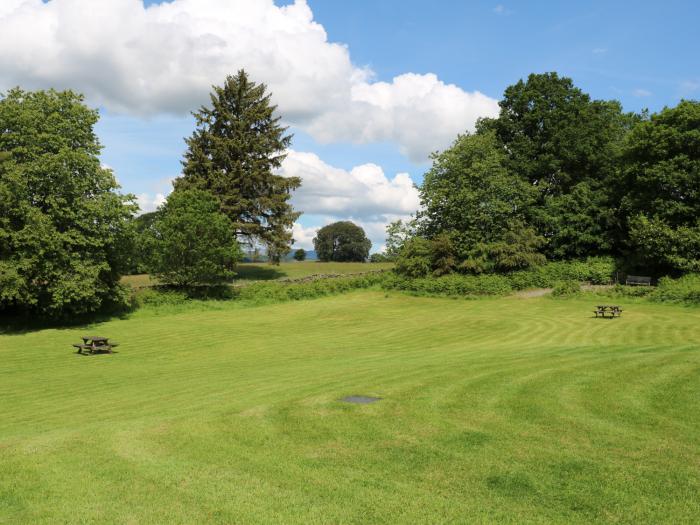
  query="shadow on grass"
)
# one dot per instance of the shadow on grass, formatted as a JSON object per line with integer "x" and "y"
{"x": 27, "y": 323}
{"x": 258, "y": 273}
{"x": 17, "y": 323}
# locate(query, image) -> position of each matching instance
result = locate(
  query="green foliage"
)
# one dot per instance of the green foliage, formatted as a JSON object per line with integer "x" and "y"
{"x": 281, "y": 291}
{"x": 397, "y": 233}
{"x": 594, "y": 270}
{"x": 566, "y": 289}
{"x": 138, "y": 246}
{"x": 64, "y": 235}
{"x": 191, "y": 242}
{"x": 663, "y": 248}
{"x": 516, "y": 250}
{"x": 628, "y": 292}
{"x": 442, "y": 254}
{"x": 662, "y": 179}
{"x": 683, "y": 290}
{"x": 415, "y": 258}
{"x": 567, "y": 146}
{"x": 470, "y": 194}
{"x": 454, "y": 284}
{"x": 234, "y": 153}
{"x": 300, "y": 255}
{"x": 379, "y": 258}
{"x": 342, "y": 241}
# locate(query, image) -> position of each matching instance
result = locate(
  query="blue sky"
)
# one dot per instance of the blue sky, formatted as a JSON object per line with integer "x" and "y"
{"x": 348, "y": 150}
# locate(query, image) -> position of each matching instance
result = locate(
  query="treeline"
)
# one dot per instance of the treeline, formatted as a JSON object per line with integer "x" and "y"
{"x": 556, "y": 177}
{"x": 67, "y": 234}
{"x": 559, "y": 176}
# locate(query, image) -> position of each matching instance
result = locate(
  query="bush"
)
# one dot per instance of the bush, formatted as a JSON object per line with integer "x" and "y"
{"x": 454, "y": 284}
{"x": 620, "y": 290}
{"x": 283, "y": 291}
{"x": 379, "y": 258}
{"x": 595, "y": 270}
{"x": 190, "y": 242}
{"x": 683, "y": 290}
{"x": 158, "y": 297}
{"x": 415, "y": 258}
{"x": 566, "y": 289}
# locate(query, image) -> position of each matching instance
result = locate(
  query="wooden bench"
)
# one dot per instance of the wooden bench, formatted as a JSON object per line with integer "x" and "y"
{"x": 638, "y": 280}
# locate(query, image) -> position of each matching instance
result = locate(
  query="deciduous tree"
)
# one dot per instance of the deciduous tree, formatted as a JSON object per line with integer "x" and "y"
{"x": 662, "y": 181}
{"x": 191, "y": 242}
{"x": 342, "y": 242}
{"x": 63, "y": 225}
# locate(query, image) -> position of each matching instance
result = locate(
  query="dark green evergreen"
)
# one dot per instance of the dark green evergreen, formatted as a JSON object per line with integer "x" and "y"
{"x": 234, "y": 154}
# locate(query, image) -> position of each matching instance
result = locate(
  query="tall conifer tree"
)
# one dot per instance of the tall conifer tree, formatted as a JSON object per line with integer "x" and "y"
{"x": 233, "y": 153}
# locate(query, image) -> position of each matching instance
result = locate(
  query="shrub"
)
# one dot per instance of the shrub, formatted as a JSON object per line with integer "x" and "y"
{"x": 454, "y": 284}
{"x": 284, "y": 291}
{"x": 379, "y": 258}
{"x": 566, "y": 289}
{"x": 415, "y": 258}
{"x": 620, "y": 290}
{"x": 158, "y": 297}
{"x": 596, "y": 270}
{"x": 683, "y": 290}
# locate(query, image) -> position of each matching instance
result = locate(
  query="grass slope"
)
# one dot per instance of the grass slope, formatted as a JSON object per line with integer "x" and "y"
{"x": 496, "y": 410}
{"x": 285, "y": 270}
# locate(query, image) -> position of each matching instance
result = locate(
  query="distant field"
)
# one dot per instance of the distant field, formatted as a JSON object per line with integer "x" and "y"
{"x": 289, "y": 270}
{"x": 504, "y": 410}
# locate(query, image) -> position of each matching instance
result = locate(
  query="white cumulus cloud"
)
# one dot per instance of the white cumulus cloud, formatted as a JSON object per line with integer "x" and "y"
{"x": 148, "y": 202}
{"x": 364, "y": 191}
{"x": 364, "y": 195}
{"x": 164, "y": 59}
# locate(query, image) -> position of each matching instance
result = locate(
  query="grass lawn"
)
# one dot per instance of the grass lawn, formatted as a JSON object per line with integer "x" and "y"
{"x": 286, "y": 270}
{"x": 497, "y": 410}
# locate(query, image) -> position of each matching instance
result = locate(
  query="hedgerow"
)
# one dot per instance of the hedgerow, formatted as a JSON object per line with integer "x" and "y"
{"x": 683, "y": 290}
{"x": 453, "y": 284}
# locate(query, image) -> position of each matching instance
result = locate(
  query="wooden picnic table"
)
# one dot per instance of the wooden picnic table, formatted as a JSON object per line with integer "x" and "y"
{"x": 607, "y": 310}
{"x": 93, "y": 344}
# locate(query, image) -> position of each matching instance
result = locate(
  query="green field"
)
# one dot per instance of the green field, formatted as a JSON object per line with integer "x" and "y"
{"x": 496, "y": 410}
{"x": 285, "y": 270}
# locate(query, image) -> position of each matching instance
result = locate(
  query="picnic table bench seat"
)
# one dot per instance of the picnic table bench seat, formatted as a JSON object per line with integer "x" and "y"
{"x": 95, "y": 345}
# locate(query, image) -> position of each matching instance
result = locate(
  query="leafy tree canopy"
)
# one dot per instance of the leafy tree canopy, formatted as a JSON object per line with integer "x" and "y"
{"x": 191, "y": 242}
{"x": 568, "y": 147}
{"x": 300, "y": 254}
{"x": 470, "y": 194}
{"x": 63, "y": 226}
{"x": 662, "y": 180}
{"x": 342, "y": 242}
{"x": 234, "y": 153}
